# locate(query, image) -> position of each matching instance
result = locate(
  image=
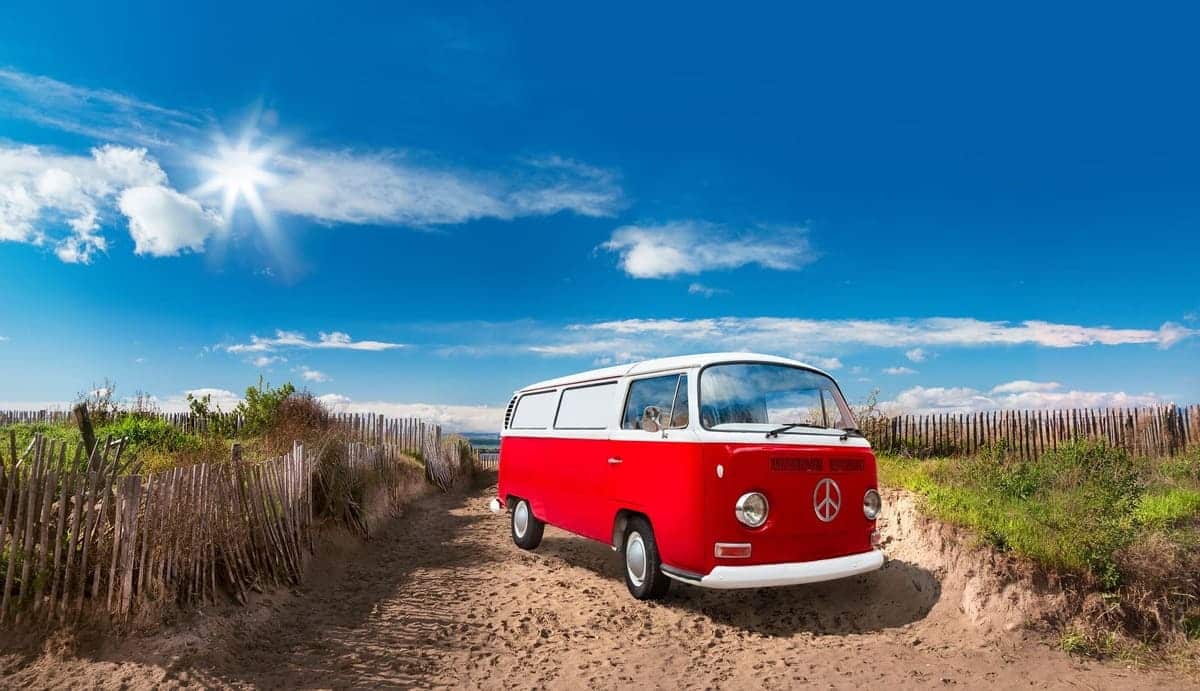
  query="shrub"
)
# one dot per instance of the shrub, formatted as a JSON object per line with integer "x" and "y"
{"x": 218, "y": 422}
{"x": 101, "y": 402}
{"x": 299, "y": 416}
{"x": 149, "y": 432}
{"x": 1183, "y": 468}
{"x": 260, "y": 410}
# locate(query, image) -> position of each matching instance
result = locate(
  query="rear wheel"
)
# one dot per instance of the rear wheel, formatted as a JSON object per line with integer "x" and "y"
{"x": 643, "y": 567}
{"x": 526, "y": 528}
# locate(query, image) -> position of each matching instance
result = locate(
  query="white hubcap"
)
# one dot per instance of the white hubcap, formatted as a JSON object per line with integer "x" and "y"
{"x": 521, "y": 519}
{"x": 635, "y": 558}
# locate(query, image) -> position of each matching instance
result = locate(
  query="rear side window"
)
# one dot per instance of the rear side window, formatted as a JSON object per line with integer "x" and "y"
{"x": 535, "y": 410}
{"x": 657, "y": 403}
{"x": 586, "y": 407}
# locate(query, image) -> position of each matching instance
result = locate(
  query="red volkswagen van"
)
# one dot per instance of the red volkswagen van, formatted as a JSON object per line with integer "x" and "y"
{"x": 724, "y": 470}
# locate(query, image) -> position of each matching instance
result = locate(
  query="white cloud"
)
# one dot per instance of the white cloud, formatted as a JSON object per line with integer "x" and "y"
{"x": 333, "y": 340}
{"x": 388, "y": 188}
{"x": 223, "y": 398}
{"x": 921, "y": 399}
{"x": 313, "y": 375}
{"x": 898, "y": 371}
{"x": 35, "y": 405}
{"x": 164, "y": 223}
{"x": 61, "y": 199}
{"x": 706, "y": 291}
{"x": 553, "y": 184}
{"x": 693, "y": 247}
{"x": 1172, "y": 333}
{"x": 267, "y": 360}
{"x": 459, "y": 418}
{"x": 1026, "y": 386}
{"x": 826, "y": 363}
{"x": 96, "y": 113}
{"x": 617, "y": 349}
{"x": 774, "y": 334}
{"x": 916, "y": 355}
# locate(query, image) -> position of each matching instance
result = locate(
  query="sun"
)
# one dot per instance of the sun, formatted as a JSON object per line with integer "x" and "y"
{"x": 238, "y": 173}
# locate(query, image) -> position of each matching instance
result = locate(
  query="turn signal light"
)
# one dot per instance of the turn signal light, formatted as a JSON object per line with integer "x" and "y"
{"x": 732, "y": 550}
{"x": 876, "y": 539}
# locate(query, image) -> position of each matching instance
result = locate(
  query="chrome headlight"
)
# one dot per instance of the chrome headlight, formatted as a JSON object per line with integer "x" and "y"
{"x": 751, "y": 509}
{"x": 872, "y": 504}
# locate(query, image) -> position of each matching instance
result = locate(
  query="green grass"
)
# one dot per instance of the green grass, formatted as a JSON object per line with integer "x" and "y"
{"x": 1166, "y": 507}
{"x": 152, "y": 441}
{"x": 1074, "y": 509}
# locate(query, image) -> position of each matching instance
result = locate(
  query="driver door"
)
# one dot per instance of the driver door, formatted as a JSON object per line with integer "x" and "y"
{"x": 654, "y": 419}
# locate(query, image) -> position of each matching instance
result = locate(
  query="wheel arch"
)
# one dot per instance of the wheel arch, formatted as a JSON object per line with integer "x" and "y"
{"x": 621, "y": 522}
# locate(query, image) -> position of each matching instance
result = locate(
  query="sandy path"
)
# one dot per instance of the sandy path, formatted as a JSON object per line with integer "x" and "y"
{"x": 444, "y": 599}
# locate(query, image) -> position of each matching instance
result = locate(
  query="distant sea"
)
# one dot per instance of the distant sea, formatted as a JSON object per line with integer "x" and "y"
{"x": 483, "y": 441}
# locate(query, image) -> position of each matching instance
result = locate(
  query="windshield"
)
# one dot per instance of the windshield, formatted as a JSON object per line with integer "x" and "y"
{"x": 753, "y": 397}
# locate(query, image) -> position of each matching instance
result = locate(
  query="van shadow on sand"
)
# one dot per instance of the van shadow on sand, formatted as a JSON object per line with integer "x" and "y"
{"x": 900, "y": 593}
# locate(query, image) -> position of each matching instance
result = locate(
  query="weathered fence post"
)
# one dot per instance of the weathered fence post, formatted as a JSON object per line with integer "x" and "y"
{"x": 85, "y": 427}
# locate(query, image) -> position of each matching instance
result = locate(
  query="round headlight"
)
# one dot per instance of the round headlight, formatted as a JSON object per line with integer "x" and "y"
{"x": 872, "y": 504}
{"x": 751, "y": 509}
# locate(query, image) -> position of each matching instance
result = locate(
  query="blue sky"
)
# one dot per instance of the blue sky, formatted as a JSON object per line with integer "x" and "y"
{"x": 420, "y": 209}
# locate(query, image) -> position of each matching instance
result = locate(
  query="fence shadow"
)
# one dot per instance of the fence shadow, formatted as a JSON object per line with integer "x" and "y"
{"x": 899, "y": 594}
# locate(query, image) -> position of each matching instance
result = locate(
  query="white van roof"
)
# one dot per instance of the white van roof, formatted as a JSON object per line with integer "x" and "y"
{"x": 662, "y": 364}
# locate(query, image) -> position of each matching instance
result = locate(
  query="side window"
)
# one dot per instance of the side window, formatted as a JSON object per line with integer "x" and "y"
{"x": 586, "y": 407}
{"x": 534, "y": 411}
{"x": 657, "y": 403}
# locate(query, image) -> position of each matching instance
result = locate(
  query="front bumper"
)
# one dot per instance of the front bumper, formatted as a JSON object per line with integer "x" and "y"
{"x": 795, "y": 573}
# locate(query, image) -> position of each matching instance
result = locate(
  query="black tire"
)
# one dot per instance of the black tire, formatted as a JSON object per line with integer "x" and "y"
{"x": 531, "y": 535}
{"x": 639, "y": 539}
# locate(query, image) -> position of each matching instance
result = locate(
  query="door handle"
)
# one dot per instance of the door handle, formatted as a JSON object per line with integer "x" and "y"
{"x": 614, "y": 461}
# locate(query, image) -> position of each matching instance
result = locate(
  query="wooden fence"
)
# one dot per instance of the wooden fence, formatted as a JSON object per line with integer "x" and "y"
{"x": 1162, "y": 431}
{"x": 94, "y": 535}
{"x": 488, "y": 460}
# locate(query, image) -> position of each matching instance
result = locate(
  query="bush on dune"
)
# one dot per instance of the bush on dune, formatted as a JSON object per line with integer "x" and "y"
{"x": 1128, "y": 525}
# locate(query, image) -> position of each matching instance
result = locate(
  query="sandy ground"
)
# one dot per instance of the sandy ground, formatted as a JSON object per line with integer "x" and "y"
{"x": 443, "y": 599}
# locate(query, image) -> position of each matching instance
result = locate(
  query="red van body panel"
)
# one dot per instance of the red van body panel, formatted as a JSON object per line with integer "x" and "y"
{"x": 665, "y": 481}
{"x": 563, "y": 480}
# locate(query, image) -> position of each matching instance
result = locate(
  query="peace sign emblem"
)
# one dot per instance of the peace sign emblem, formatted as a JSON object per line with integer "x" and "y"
{"x": 827, "y": 500}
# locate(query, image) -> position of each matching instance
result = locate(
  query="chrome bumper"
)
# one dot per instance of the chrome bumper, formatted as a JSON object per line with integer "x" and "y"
{"x": 795, "y": 573}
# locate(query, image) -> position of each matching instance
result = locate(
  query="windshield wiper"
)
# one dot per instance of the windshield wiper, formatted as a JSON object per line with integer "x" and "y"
{"x": 848, "y": 432}
{"x": 791, "y": 425}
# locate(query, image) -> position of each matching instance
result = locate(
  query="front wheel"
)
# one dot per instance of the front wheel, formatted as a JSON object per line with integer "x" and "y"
{"x": 643, "y": 567}
{"x": 526, "y": 528}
